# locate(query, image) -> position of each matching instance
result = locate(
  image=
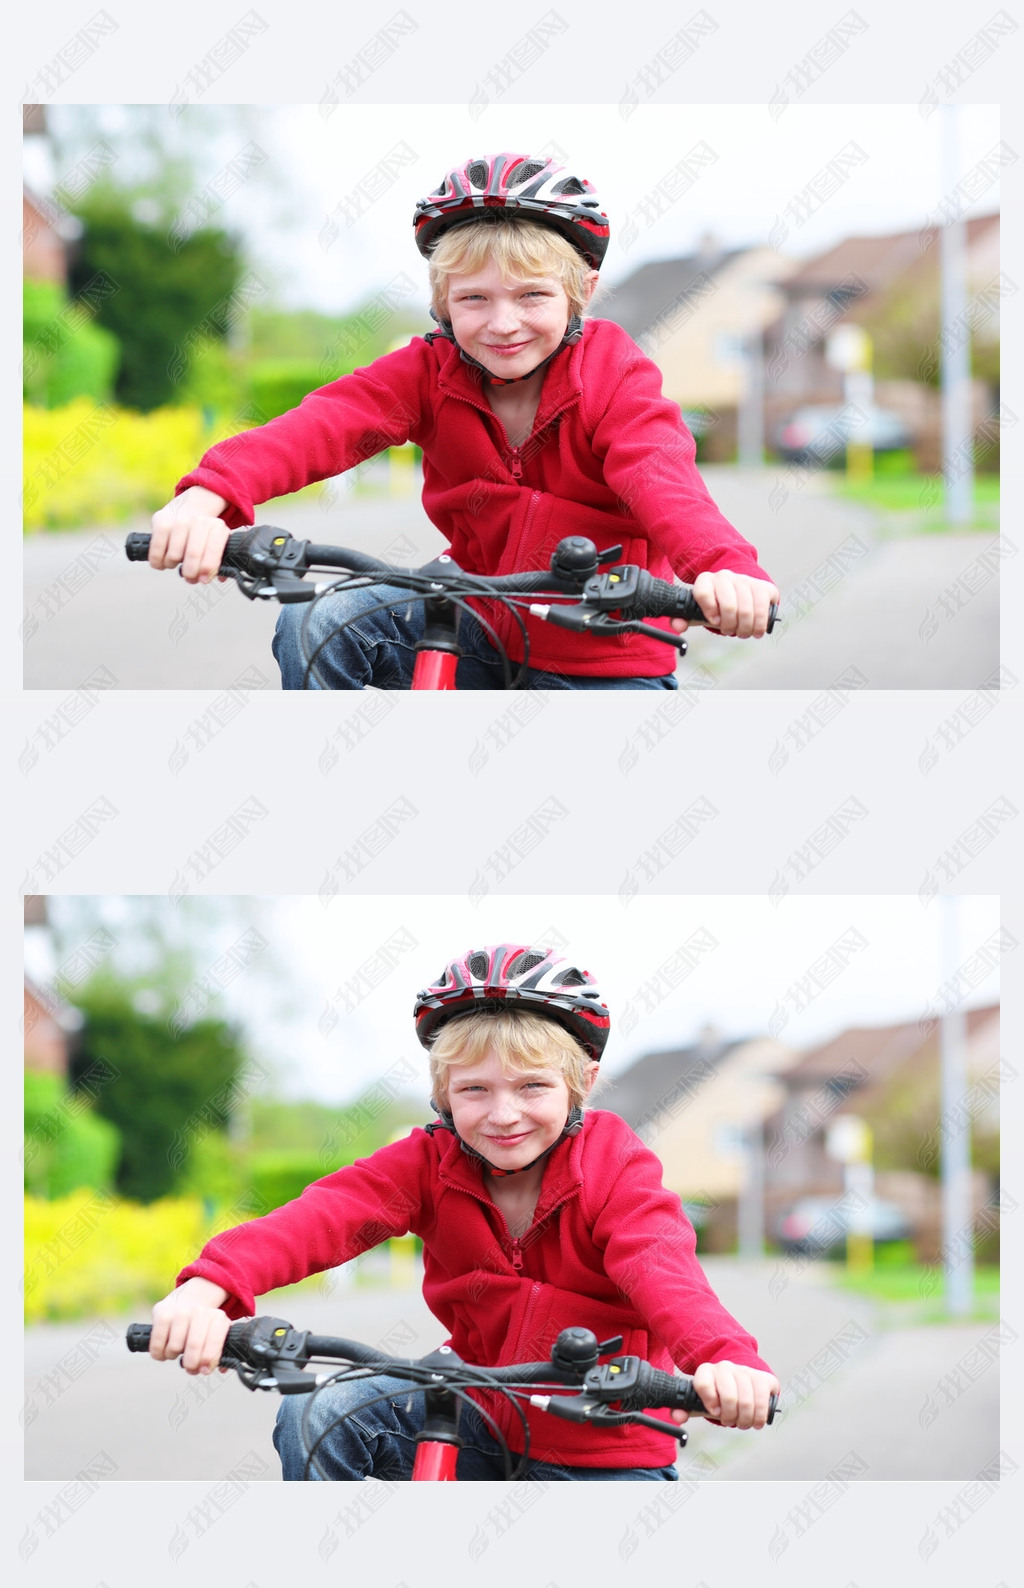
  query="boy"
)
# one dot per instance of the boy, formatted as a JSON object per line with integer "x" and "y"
{"x": 533, "y": 1218}
{"x": 533, "y": 426}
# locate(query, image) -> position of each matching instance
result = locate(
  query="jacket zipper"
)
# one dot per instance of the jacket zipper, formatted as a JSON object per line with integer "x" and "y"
{"x": 515, "y": 453}
{"x": 514, "y": 1241}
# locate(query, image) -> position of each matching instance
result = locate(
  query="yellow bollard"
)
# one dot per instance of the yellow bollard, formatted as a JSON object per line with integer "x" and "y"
{"x": 402, "y": 1267}
{"x": 401, "y": 471}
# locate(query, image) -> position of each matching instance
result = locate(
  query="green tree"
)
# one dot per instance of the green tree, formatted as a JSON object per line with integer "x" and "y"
{"x": 167, "y": 1084}
{"x": 173, "y": 287}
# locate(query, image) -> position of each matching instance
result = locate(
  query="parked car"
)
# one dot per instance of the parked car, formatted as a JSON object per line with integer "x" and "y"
{"x": 817, "y": 1225}
{"x": 818, "y": 434}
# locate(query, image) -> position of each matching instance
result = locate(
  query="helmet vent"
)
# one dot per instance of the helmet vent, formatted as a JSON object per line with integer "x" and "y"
{"x": 525, "y": 171}
{"x": 477, "y": 173}
{"x": 570, "y": 978}
{"x": 571, "y": 184}
{"x": 477, "y": 965}
{"x": 523, "y": 963}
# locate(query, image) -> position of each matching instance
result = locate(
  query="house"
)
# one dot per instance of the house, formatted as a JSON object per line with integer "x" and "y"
{"x": 890, "y": 1076}
{"x": 49, "y": 1023}
{"x": 696, "y": 1108}
{"x": 47, "y": 228}
{"x": 891, "y": 286}
{"x": 695, "y": 316}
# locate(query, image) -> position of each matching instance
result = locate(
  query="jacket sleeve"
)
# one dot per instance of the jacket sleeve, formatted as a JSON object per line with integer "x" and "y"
{"x": 333, "y": 429}
{"x": 649, "y": 1250}
{"x": 333, "y": 1220}
{"x": 648, "y": 457}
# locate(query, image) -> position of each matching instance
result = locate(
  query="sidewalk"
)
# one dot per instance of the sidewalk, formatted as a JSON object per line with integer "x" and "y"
{"x": 852, "y": 1388}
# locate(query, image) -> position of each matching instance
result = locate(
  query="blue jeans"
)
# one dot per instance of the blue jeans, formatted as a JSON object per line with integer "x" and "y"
{"x": 378, "y": 649}
{"x": 379, "y": 1440}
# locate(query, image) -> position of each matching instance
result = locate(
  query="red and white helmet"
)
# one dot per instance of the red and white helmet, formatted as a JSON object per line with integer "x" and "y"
{"x": 510, "y": 975}
{"x": 536, "y": 186}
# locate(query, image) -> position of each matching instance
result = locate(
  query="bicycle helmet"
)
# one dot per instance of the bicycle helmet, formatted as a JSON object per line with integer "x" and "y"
{"x": 508, "y": 974}
{"x": 537, "y": 188}
{"x": 501, "y": 976}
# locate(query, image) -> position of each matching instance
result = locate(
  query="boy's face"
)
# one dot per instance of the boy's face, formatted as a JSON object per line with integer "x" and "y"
{"x": 508, "y": 1119}
{"x": 509, "y": 328}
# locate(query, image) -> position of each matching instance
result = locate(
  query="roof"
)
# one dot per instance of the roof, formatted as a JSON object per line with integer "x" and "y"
{"x": 876, "y": 261}
{"x": 654, "y": 1081}
{"x": 870, "y": 1054}
{"x": 654, "y": 287}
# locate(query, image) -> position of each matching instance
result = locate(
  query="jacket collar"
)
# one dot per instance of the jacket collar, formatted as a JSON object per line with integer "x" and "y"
{"x": 563, "y": 382}
{"x": 563, "y": 1171}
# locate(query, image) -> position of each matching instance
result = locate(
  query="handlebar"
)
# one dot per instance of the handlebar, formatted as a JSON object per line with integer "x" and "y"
{"x": 269, "y": 1353}
{"x": 269, "y": 563}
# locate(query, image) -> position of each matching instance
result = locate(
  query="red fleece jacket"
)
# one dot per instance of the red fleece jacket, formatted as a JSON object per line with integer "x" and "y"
{"x": 609, "y": 1249}
{"x": 609, "y": 457}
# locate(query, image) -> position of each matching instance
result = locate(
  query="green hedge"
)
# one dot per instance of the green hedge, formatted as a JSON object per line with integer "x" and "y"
{"x": 67, "y": 1146}
{"x": 279, "y": 1177}
{"x": 276, "y": 385}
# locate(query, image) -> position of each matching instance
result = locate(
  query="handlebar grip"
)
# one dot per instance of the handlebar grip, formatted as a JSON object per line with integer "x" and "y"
{"x": 663, "y": 600}
{"x": 655, "y": 1388}
{"x": 138, "y": 1336}
{"x": 659, "y": 599}
{"x": 664, "y": 1389}
{"x": 136, "y": 549}
{"x": 236, "y": 550}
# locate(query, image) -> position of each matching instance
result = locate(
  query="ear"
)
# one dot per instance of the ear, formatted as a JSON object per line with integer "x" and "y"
{"x": 589, "y": 287}
{"x": 590, "y": 1077}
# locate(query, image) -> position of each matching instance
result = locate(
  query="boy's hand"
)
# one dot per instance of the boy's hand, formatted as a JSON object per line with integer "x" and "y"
{"x": 736, "y": 1396}
{"x": 189, "y": 1323}
{"x": 188, "y": 531}
{"x": 733, "y": 603}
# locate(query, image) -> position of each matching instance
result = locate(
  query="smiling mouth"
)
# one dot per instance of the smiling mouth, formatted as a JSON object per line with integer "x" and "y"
{"x": 509, "y": 347}
{"x": 505, "y": 1141}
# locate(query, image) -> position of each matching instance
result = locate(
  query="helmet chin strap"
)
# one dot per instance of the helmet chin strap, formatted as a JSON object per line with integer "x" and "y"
{"x": 573, "y": 333}
{"x": 572, "y": 1127}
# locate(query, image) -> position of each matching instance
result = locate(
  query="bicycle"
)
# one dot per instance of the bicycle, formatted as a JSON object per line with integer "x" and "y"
{"x": 582, "y": 590}
{"x": 269, "y": 1354}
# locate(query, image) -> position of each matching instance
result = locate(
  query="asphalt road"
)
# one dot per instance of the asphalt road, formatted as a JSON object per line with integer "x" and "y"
{"x": 916, "y": 613}
{"x": 857, "y": 1399}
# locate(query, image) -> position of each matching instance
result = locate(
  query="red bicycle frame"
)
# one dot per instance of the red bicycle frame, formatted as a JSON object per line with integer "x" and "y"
{"x": 438, "y": 1442}
{"x": 438, "y": 652}
{"x": 434, "y": 670}
{"x": 435, "y": 1462}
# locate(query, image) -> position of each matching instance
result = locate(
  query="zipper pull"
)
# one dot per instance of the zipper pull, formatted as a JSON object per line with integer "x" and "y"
{"x": 517, "y": 1255}
{"x": 517, "y": 464}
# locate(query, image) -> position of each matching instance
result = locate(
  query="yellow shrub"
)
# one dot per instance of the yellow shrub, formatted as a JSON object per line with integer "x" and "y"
{"x": 92, "y": 463}
{"x": 92, "y": 1253}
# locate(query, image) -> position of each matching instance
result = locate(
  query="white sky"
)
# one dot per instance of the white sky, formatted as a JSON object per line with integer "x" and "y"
{"x": 763, "y": 951}
{"x": 761, "y": 164}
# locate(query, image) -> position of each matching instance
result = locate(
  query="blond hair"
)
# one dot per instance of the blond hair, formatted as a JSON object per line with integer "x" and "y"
{"x": 521, "y": 249}
{"x": 521, "y": 1040}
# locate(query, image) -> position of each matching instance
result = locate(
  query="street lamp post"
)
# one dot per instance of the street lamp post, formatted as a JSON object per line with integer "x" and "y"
{"x": 957, "y": 457}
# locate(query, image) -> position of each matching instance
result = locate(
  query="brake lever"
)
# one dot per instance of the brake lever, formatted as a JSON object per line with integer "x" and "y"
{"x": 582, "y": 618}
{"x": 602, "y": 623}
{"x": 580, "y": 1409}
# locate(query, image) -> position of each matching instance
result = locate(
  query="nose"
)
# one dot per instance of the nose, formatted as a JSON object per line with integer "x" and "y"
{"x": 504, "y": 1111}
{"x": 504, "y": 318}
